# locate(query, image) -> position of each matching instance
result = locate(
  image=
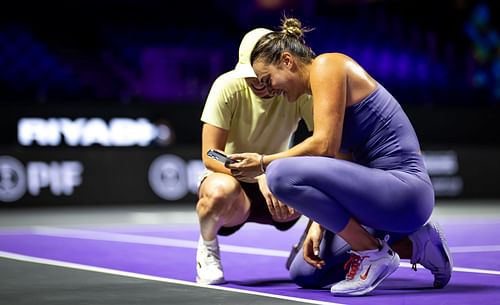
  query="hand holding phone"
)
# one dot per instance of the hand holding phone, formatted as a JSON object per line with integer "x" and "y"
{"x": 219, "y": 156}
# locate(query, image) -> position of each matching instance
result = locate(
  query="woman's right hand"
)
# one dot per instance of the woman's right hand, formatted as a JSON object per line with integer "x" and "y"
{"x": 311, "y": 246}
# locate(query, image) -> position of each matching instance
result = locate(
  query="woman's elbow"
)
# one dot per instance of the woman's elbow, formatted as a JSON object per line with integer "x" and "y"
{"x": 323, "y": 148}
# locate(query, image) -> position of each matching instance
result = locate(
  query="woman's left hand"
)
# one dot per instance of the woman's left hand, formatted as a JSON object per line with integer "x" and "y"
{"x": 311, "y": 247}
{"x": 247, "y": 165}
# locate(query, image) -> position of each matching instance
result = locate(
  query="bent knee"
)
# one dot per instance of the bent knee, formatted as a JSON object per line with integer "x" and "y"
{"x": 276, "y": 176}
{"x": 305, "y": 281}
{"x": 313, "y": 278}
{"x": 216, "y": 194}
{"x": 281, "y": 178}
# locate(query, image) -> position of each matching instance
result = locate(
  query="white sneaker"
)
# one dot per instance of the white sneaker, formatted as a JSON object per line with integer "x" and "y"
{"x": 367, "y": 270}
{"x": 430, "y": 249}
{"x": 208, "y": 265}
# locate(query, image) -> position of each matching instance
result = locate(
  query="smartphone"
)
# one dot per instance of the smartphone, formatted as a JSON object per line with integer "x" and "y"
{"x": 219, "y": 156}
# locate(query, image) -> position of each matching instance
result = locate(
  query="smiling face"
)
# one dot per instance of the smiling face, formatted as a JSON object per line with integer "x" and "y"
{"x": 258, "y": 88}
{"x": 279, "y": 79}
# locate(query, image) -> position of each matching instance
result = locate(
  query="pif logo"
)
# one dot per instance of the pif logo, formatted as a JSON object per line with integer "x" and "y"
{"x": 59, "y": 177}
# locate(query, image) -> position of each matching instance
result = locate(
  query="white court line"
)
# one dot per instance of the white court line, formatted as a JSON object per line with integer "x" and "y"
{"x": 148, "y": 240}
{"x": 461, "y": 221}
{"x": 161, "y": 241}
{"x": 50, "y": 262}
{"x": 473, "y": 249}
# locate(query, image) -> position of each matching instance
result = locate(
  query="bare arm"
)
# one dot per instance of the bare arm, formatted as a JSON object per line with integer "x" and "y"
{"x": 328, "y": 81}
{"x": 213, "y": 138}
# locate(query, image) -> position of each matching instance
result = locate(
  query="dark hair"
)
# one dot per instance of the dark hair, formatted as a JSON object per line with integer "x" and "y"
{"x": 290, "y": 38}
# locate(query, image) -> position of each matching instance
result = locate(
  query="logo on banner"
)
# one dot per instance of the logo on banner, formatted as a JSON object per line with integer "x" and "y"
{"x": 12, "y": 179}
{"x": 59, "y": 177}
{"x": 172, "y": 178}
{"x": 118, "y": 132}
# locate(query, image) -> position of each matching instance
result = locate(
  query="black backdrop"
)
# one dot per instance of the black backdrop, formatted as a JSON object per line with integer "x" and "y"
{"x": 461, "y": 145}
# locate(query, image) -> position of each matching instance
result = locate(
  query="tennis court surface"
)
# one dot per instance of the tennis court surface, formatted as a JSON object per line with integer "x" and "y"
{"x": 146, "y": 255}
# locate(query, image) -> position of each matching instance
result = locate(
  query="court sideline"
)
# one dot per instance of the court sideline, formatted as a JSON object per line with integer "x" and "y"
{"x": 145, "y": 254}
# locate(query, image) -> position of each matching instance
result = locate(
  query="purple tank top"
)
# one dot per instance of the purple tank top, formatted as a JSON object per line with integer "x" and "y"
{"x": 379, "y": 135}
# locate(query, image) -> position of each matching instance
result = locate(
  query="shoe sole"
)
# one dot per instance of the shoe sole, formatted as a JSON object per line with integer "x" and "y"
{"x": 437, "y": 238}
{"x": 382, "y": 277}
{"x": 206, "y": 282}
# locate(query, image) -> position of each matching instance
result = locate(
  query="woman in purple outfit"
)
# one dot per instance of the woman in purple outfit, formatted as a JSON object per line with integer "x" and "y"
{"x": 361, "y": 172}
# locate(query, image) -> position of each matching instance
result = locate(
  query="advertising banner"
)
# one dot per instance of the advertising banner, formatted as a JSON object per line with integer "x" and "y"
{"x": 99, "y": 176}
{"x": 143, "y": 155}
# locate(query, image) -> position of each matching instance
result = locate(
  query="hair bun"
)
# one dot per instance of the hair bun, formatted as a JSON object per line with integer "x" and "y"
{"x": 292, "y": 27}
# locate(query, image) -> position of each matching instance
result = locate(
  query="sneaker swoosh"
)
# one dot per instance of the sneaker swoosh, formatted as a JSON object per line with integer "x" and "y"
{"x": 364, "y": 276}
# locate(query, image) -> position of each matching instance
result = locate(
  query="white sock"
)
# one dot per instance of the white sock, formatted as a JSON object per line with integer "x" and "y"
{"x": 210, "y": 243}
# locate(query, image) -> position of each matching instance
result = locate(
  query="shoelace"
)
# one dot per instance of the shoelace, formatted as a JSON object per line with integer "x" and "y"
{"x": 212, "y": 257}
{"x": 353, "y": 264}
{"x": 355, "y": 260}
{"x": 417, "y": 259}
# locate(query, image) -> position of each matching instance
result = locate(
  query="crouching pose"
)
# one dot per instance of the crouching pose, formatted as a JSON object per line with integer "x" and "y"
{"x": 361, "y": 168}
{"x": 241, "y": 115}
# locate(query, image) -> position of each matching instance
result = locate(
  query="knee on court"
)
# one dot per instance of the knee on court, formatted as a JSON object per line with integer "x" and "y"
{"x": 306, "y": 276}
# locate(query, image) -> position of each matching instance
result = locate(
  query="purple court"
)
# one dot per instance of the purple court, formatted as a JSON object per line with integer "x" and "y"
{"x": 254, "y": 258}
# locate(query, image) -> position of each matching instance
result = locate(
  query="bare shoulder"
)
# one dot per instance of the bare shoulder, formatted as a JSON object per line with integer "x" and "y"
{"x": 331, "y": 68}
{"x": 331, "y": 58}
{"x": 341, "y": 63}
{"x": 330, "y": 62}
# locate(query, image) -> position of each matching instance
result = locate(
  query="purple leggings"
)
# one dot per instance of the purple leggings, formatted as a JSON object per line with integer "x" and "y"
{"x": 331, "y": 191}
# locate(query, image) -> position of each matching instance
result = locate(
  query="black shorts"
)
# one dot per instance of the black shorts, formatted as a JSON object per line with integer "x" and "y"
{"x": 259, "y": 211}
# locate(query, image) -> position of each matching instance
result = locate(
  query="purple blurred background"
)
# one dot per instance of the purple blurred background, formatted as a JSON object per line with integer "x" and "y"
{"x": 426, "y": 52}
{"x": 100, "y": 101}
